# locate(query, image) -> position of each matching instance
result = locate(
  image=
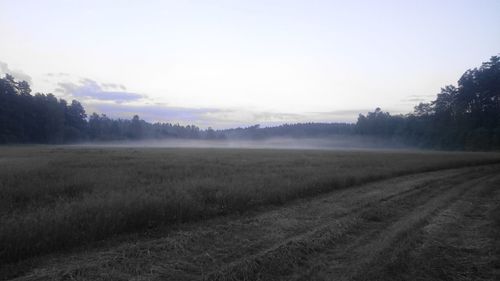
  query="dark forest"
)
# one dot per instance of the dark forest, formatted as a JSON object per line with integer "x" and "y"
{"x": 462, "y": 117}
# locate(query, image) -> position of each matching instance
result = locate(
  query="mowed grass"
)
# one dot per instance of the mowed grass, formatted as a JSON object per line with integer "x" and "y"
{"x": 56, "y": 198}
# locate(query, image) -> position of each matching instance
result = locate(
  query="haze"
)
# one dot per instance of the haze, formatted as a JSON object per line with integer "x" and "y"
{"x": 340, "y": 142}
{"x": 236, "y": 63}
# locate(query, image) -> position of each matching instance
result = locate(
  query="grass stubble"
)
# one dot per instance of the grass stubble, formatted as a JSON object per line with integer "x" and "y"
{"x": 55, "y": 199}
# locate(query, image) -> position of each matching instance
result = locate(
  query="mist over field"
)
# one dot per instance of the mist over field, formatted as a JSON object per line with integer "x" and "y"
{"x": 249, "y": 140}
{"x": 331, "y": 143}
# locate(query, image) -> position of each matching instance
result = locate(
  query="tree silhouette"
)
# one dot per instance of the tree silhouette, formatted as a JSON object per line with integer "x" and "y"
{"x": 465, "y": 116}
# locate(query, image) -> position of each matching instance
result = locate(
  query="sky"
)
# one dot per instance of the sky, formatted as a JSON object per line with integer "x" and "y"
{"x": 237, "y": 63}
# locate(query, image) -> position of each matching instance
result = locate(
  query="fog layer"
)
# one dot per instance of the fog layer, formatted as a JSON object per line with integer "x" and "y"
{"x": 331, "y": 143}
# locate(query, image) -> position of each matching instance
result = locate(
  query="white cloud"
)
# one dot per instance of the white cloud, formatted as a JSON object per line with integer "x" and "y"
{"x": 88, "y": 89}
{"x": 19, "y": 75}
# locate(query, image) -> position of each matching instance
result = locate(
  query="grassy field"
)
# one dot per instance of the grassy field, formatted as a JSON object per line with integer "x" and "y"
{"x": 57, "y": 198}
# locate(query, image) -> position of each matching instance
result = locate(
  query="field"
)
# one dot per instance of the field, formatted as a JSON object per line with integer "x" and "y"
{"x": 82, "y": 213}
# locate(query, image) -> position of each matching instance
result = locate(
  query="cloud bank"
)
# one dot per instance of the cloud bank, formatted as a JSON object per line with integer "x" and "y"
{"x": 18, "y": 74}
{"x": 90, "y": 89}
{"x": 114, "y": 100}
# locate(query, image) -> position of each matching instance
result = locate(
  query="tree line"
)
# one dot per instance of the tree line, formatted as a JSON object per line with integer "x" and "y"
{"x": 43, "y": 118}
{"x": 299, "y": 130}
{"x": 37, "y": 118}
{"x": 466, "y": 116}
{"x": 462, "y": 117}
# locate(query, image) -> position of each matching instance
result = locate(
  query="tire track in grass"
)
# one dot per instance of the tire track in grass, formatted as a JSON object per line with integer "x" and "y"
{"x": 338, "y": 241}
{"x": 243, "y": 247}
{"x": 457, "y": 244}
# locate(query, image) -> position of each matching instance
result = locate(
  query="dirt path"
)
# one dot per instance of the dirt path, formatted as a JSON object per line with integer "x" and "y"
{"x": 363, "y": 233}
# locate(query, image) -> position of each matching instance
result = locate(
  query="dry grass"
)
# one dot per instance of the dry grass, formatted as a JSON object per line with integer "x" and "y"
{"x": 58, "y": 198}
{"x": 456, "y": 244}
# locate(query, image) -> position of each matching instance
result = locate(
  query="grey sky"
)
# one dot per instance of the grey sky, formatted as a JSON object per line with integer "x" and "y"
{"x": 244, "y": 62}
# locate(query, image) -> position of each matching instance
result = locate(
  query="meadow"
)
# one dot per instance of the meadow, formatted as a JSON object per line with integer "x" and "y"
{"x": 58, "y": 198}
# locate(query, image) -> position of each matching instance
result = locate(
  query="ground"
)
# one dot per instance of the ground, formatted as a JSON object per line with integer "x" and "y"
{"x": 438, "y": 220}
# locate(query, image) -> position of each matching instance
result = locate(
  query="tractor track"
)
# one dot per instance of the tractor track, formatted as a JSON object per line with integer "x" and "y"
{"x": 335, "y": 236}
